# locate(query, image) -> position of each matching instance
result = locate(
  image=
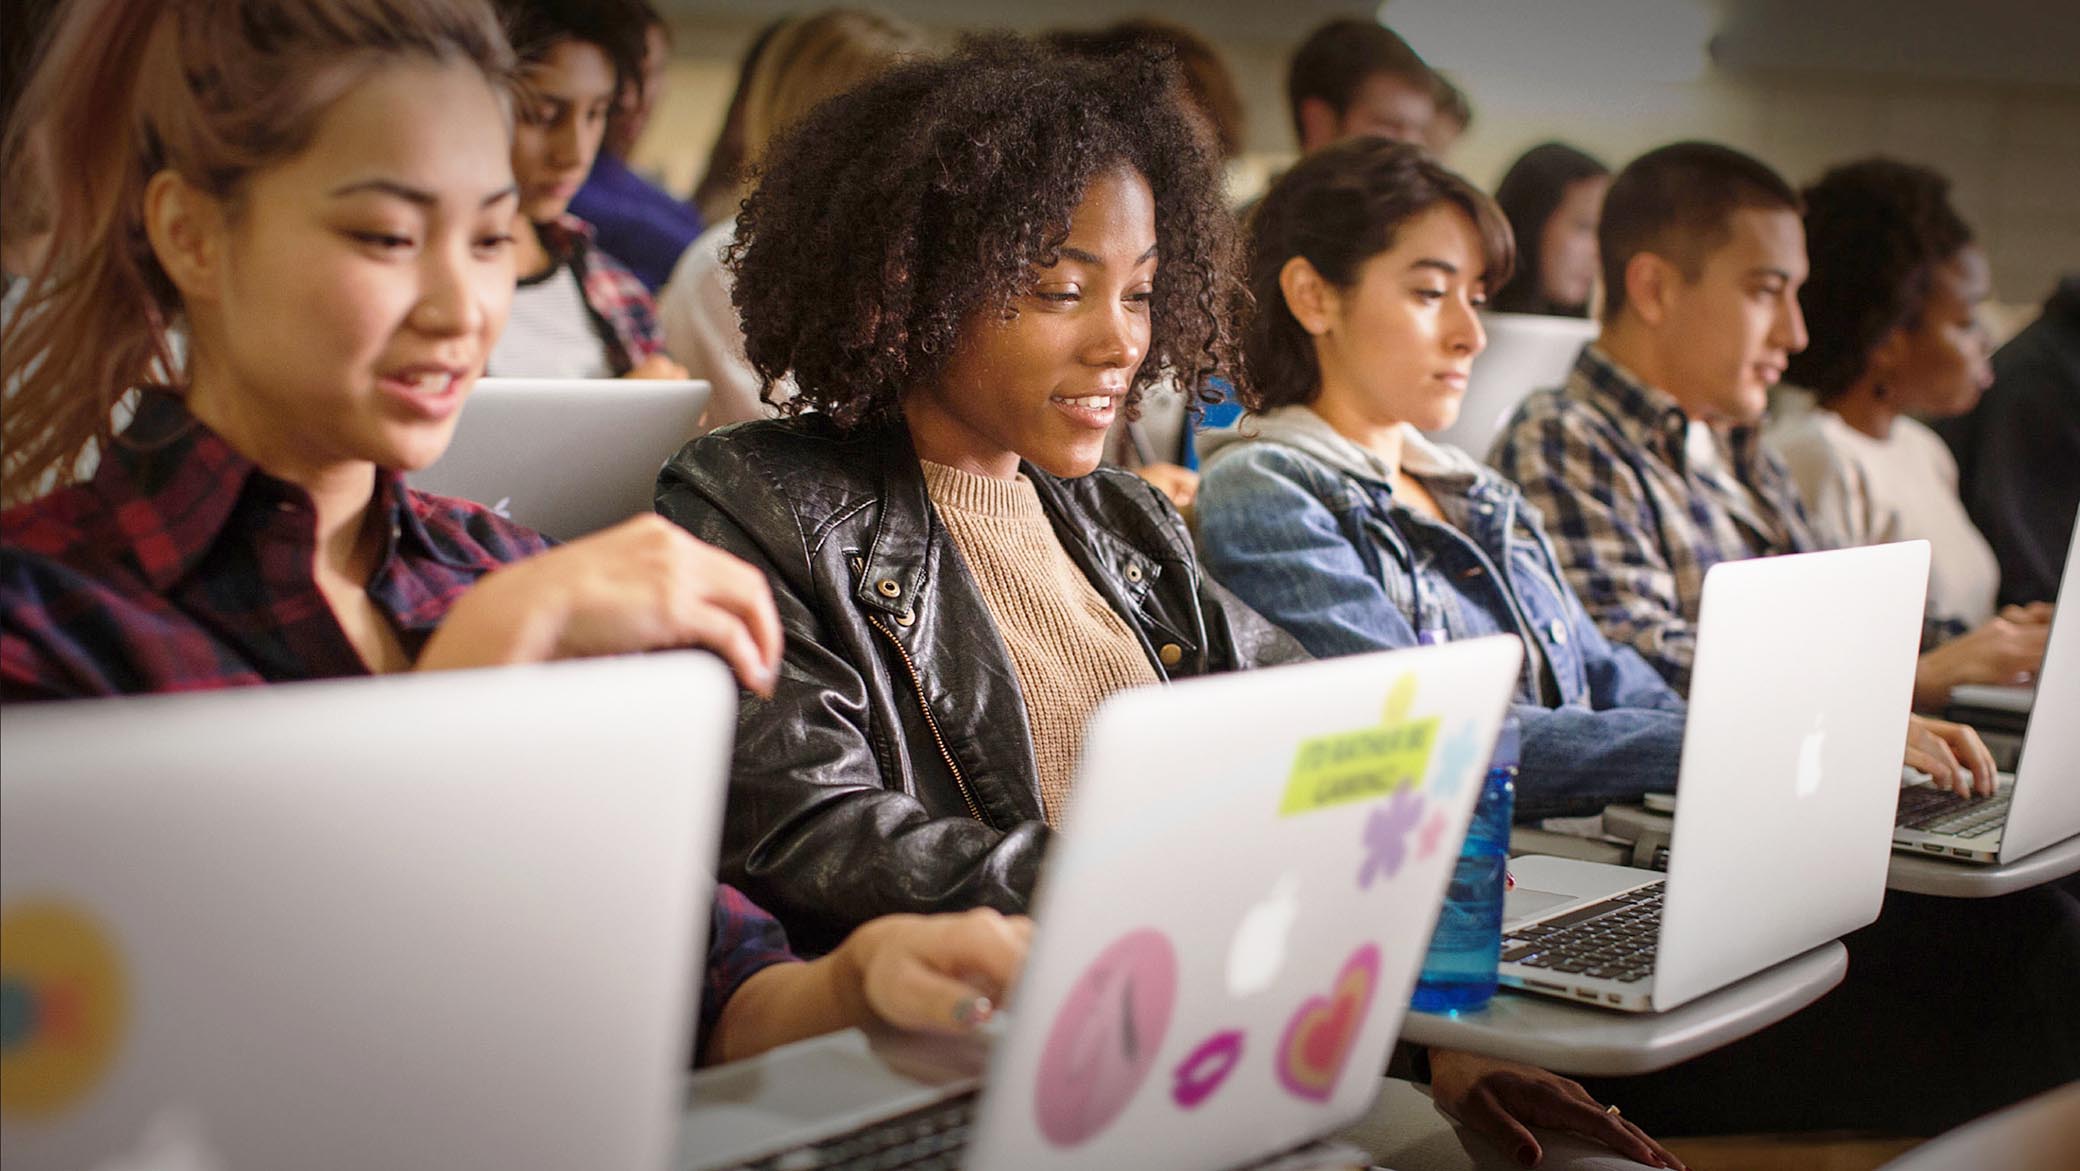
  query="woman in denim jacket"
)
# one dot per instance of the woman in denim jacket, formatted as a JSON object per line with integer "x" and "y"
{"x": 1332, "y": 516}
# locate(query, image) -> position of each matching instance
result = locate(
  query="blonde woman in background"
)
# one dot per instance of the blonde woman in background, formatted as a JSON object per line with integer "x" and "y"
{"x": 805, "y": 61}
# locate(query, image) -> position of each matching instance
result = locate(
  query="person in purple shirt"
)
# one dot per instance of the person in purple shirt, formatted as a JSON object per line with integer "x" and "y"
{"x": 635, "y": 221}
{"x": 329, "y": 212}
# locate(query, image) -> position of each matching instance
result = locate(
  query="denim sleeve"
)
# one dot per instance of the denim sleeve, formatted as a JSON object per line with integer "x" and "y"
{"x": 1576, "y": 761}
{"x": 1267, "y": 534}
{"x": 1618, "y": 676}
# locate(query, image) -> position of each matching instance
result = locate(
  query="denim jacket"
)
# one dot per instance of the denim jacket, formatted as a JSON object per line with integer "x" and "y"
{"x": 1302, "y": 524}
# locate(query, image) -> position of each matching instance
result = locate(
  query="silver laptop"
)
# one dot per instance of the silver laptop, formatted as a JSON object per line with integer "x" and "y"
{"x": 444, "y": 920}
{"x": 566, "y": 456}
{"x": 1229, "y": 928}
{"x": 1525, "y": 352}
{"x": 2039, "y": 803}
{"x": 1791, "y": 760}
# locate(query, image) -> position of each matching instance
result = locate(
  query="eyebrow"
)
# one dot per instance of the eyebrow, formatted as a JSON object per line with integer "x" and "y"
{"x": 1444, "y": 266}
{"x": 414, "y": 195}
{"x": 1766, "y": 271}
{"x": 1079, "y": 255}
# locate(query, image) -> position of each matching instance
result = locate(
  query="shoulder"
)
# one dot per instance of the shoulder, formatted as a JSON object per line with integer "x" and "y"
{"x": 803, "y": 474}
{"x": 1919, "y": 442}
{"x": 66, "y": 525}
{"x": 1248, "y": 469}
{"x": 1123, "y": 503}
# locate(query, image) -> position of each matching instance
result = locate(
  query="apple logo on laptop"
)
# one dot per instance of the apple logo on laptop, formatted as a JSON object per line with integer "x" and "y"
{"x": 1258, "y": 950}
{"x": 1809, "y": 756}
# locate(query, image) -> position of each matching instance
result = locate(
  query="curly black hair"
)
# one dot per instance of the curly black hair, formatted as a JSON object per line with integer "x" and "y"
{"x": 1876, "y": 231}
{"x": 892, "y": 214}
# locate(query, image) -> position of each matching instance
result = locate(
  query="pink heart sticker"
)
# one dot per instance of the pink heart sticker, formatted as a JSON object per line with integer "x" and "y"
{"x": 1318, "y": 1039}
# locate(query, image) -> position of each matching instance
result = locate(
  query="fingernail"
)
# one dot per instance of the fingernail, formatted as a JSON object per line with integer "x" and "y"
{"x": 1527, "y": 1155}
{"x": 973, "y": 1011}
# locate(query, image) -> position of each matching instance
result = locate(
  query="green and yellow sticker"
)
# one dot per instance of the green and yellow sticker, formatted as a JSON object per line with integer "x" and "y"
{"x": 1364, "y": 764}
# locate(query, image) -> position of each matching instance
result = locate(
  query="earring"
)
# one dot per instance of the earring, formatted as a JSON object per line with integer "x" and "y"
{"x": 1881, "y": 392}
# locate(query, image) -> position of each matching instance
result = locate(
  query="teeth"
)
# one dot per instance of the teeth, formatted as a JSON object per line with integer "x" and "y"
{"x": 1095, "y": 402}
{"x": 433, "y": 382}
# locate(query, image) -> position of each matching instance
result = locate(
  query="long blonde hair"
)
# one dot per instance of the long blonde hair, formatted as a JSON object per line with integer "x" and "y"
{"x": 813, "y": 58}
{"x": 212, "y": 90}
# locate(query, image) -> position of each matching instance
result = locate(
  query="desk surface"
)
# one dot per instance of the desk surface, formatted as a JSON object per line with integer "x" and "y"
{"x": 1576, "y": 1039}
{"x": 1908, "y": 872}
{"x": 1967, "y": 880}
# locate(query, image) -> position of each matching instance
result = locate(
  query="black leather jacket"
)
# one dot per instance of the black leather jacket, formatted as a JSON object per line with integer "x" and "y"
{"x": 892, "y": 770}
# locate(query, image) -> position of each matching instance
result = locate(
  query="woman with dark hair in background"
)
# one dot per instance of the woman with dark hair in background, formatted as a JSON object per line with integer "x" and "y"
{"x": 1891, "y": 305}
{"x": 1552, "y": 196}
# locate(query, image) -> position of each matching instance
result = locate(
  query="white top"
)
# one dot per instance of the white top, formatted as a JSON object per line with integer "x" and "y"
{"x": 1864, "y": 491}
{"x": 550, "y": 333}
{"x": 701, "y": 331}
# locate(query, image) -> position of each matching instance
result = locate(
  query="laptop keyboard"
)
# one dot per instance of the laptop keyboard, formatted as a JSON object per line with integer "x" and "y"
{"x": 1939, "y": 811}
{"x": 1610, "y": 940}
{"x": 927, "y": 1139}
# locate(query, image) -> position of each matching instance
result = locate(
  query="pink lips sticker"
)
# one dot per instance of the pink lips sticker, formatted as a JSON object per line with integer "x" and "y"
{"x": 1318, "y": 1039}
{"x": 1106, "y": 1037}
{"x": 1209, "y": 1065}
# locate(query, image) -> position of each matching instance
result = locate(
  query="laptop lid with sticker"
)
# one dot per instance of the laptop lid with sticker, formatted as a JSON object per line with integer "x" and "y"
{"x": 1233, "y": 916}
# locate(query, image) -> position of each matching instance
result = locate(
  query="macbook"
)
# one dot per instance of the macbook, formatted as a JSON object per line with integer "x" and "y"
{"x": 443, "y": 920}
{"x": 1790, "y": 769}
{"x": 2039, "y": 803}
{"x": 1525, "y": 352}
{"x": 566, "y": 457}
{"x": 1230, "y": 925}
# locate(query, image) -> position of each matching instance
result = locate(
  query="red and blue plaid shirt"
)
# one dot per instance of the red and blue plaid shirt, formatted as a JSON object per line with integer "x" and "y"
{"x": 623, "y": 313}
{"x": 181, "y": 566}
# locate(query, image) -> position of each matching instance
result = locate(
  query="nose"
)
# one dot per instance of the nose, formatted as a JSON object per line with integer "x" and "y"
{"x": 448, "y": 305}
{"x": 1118, "y": 339}
{"x": 567, "y": 142}
{"x": 1790, "y": 331}
{"x": 1464, "y": 333}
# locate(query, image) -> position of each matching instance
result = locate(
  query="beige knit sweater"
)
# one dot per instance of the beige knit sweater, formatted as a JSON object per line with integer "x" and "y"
{"x": 1069, "y": 648}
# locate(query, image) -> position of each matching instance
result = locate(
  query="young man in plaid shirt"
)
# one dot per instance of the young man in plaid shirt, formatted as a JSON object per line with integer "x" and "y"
{"x": 1649, "y": 464}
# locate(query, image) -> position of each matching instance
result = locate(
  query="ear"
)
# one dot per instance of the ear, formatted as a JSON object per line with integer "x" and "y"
{"x": 1650, "y": 281}
{"x": 1889, "y": 354}
{"x": 185, "y": 226}
{"x": 1312, "y": 300}
{"x": 1320, "y": 124}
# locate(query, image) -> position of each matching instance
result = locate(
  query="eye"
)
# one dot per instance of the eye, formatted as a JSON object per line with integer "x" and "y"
{"x": 494, "y": 243}
{"x": 381, "y": 241}
{"x": 1429, "y": 295}
{"x": 1058, "y": 296}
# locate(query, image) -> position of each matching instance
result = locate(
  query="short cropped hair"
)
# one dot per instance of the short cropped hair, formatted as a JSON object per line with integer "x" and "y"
{"x": 889, "y": 217}
{"x": 1876, "y": 231}
{"x": 1338, "y": 208}
{"x": 1337, "y": 58}
{"x": 1678, "y": 202}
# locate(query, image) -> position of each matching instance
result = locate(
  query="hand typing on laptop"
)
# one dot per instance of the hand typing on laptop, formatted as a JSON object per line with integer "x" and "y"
{"x": 924, "y": 973}
{"x": 642, "y": 585}
{"x": 1503, "y": 1100}
{"x": 1951, "y": 755}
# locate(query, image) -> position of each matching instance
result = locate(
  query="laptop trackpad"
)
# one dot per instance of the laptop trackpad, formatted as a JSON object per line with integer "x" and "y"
{"x": 1521, "y": 904}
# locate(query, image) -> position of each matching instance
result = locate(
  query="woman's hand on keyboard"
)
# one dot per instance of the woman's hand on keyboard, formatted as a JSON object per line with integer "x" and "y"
{"x": 1952, "y": 755}
{"x": 1504, "y": 1100}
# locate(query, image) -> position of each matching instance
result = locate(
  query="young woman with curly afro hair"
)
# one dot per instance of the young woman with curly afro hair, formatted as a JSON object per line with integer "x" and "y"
{"x": 968, "y": 267}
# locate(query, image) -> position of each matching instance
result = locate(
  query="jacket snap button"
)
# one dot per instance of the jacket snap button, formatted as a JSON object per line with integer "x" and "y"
{"x": 907, "y": 618}
{"x": 1559, "y": 632}
{"x": 1133, "y": 573}
{"x": 1171, "y": 654}
{"x": 888, "y": 587}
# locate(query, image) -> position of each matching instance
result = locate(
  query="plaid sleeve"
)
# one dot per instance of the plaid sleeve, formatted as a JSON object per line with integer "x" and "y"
{"x": 1604, "y": 528}
{"x": 742, "y": 941}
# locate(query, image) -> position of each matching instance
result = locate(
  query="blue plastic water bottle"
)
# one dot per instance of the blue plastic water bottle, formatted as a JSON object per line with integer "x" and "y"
{"x": 1459, "y": 973}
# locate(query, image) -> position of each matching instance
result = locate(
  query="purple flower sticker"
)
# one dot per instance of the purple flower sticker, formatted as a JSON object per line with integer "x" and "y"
{"x": 1386, "y": 836}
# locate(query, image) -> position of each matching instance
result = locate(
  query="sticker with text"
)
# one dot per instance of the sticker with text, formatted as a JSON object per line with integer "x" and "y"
{"x": 1200, "y": 1074}
{"x": 1366, "y": 763}
{"x": 1106, "y": 1037}
{"x": 1318, "y": 1040}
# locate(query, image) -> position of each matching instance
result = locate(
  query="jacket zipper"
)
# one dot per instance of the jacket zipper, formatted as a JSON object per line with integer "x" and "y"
{"x": 917, "y": 686}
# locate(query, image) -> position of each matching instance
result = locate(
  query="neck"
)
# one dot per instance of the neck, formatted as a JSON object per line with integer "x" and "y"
{"x": 1863, "y": 408}
{"x": 1634, "y": 345}
{"x": 940, "y": 437}
{"x": 1381, "y": 437}
{"x": 340, "y": 490}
